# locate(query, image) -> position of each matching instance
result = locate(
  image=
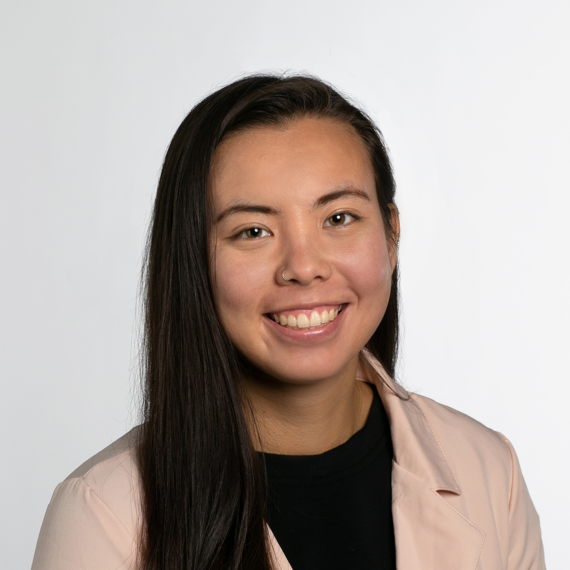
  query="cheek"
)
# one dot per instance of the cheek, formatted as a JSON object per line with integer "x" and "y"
{"x": 239, "y": 284}
{"x": 369, "y": 271}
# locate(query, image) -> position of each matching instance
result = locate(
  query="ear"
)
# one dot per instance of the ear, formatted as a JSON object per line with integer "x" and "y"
{"x": 393, "y": 242}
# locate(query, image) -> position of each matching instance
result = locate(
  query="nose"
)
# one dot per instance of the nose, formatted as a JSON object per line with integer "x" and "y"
{"x": 304, "y": 261}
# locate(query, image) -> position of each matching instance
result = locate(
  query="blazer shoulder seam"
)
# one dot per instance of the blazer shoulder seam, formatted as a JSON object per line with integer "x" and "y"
{"x": 117, "y": 457}
{"x": 108, "y": 507}
{"x": 510, "y": 450}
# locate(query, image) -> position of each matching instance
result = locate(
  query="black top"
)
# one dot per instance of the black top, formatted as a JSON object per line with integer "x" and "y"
{"x": 334, "y": 510}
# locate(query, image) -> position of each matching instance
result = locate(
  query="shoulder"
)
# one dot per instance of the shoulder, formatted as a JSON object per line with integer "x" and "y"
{"x": 493, "y": 493}
{"x": 443, "y": 437}
{"x": 112, "y": 474}
{"x": 473, "y": 450}
{"x": 456, "y": 427}
{"x": 93, "y": 518}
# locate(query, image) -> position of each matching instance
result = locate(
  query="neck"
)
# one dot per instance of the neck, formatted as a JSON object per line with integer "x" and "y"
{"x": 307, "y": 418}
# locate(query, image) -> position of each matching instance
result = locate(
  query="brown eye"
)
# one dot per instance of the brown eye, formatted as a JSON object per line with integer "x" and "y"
{"x": 340, "y": 219}
{"x": 253, "y": 233}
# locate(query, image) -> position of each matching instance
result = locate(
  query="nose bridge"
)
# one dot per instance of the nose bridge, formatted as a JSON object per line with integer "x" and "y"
{"x": 305, "y": 257}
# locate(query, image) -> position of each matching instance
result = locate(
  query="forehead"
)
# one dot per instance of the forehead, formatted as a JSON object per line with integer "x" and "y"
{"x": 300, "y": 160}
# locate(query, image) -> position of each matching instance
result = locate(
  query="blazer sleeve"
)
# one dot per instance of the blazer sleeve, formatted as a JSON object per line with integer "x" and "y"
{"x": 526, "y": 551}
{"x": 81, "y": 532}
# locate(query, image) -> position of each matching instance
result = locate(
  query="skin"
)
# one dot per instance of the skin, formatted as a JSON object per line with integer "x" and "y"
{"x": 304, "y": 396}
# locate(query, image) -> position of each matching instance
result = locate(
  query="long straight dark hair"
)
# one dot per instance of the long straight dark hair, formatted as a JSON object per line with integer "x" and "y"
{"x": 203, "y": 489}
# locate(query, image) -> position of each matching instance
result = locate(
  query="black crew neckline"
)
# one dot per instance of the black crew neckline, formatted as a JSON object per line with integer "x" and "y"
{"x": 340, "y": 458}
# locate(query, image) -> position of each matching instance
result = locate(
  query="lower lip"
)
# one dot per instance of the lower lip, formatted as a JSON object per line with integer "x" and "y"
{"x": 307, "y": 335}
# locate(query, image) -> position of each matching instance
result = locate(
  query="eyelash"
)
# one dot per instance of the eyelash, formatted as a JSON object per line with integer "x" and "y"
{"x": 353, "y": 216}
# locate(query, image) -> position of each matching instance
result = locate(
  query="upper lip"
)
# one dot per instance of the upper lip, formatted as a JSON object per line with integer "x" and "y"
{"x": 305, "y": 306}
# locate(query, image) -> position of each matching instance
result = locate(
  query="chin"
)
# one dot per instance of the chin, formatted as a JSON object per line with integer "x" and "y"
{"x": 306, "y": 370}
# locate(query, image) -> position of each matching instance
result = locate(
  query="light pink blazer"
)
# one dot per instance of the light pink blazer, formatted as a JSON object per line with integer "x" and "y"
{"x": 459, "y": 500}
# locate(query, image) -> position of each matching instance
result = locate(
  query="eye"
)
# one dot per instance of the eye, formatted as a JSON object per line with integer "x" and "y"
{"x": 340, "y": 219}
{"x": 252, "y": 233}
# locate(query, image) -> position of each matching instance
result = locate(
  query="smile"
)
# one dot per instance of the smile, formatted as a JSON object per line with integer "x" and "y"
{"x": 306, "y": 318}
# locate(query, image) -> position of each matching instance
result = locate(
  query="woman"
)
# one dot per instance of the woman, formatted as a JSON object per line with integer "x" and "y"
{"x": 273, "y": 434}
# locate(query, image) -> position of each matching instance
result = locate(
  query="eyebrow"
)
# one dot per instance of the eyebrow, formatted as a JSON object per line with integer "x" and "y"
{"x": 242, "y": 206}
{"x": 340, "y": 193}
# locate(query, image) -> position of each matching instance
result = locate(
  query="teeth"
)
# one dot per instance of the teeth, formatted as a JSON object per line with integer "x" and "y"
{"x": 302, "y": 321}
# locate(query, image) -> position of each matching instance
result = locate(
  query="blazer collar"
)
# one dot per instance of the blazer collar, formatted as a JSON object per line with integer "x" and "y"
{"x": 416, "y": 448}
{"x": 430, "y": 534}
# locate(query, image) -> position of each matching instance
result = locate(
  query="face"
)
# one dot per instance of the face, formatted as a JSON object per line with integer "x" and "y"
{"x": 299, "y": 199}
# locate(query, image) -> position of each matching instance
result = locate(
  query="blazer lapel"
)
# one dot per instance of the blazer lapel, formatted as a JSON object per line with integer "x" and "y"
{"x": 430, "y": 533}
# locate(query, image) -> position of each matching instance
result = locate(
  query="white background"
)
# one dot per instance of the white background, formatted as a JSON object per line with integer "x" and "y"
{"x": 473, "y": 98}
